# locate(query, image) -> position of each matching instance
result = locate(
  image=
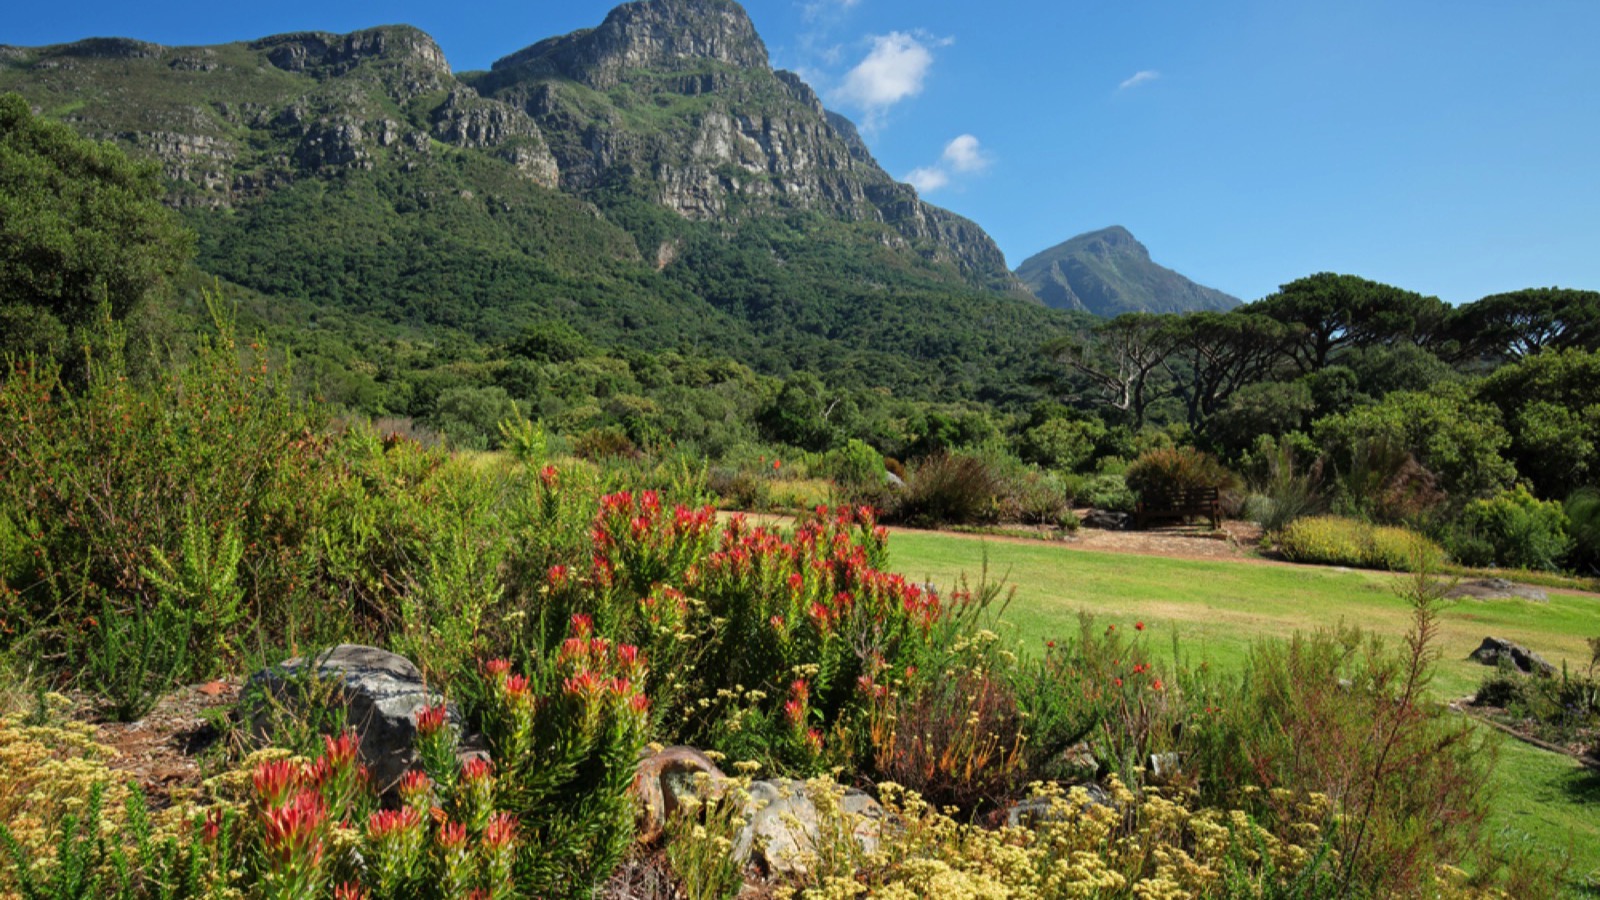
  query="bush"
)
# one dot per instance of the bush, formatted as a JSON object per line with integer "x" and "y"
{"x": 1061, "y": 443}
{"x": 1109, "y": 492}
{"x": 957, "y": 738}
{"x": 1583, "y": 521}
{"x": 1169, "y": 471}
{"x": 1512, "y": 529}
{"x": 951, "y": 489}
{"x": 1284, "y": 490}
{"x": 1335, "y": 541}
{"x": 856, "y": 463}
{"x": 1338, "y": 713}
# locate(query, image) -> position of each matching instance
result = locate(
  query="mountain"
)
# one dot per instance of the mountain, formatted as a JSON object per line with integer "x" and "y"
{"x": 651, "y": 181}
{"x": 1109, "y": 273}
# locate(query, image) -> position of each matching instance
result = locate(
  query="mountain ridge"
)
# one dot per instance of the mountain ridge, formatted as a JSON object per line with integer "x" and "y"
{"x": 690, "y": 203}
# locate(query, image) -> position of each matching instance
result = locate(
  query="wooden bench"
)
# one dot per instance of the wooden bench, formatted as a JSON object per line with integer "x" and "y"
{"x": 1182, "y": 505}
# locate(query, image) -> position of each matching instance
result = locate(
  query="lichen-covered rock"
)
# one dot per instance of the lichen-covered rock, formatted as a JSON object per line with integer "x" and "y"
{"x": 374, "y": 692}
{"x": 785, "y": 827}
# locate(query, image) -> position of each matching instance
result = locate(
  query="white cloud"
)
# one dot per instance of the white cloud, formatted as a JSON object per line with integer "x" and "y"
{"x": 965, "y": 154}
{"x": 893, "y": 70}
{"x": 928, "y": 179}
{"x": 1143, "y": 76}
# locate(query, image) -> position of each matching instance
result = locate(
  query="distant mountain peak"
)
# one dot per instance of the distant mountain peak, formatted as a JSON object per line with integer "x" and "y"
{"x": 661, "y": 35}
{"x": 1109, "y": 272}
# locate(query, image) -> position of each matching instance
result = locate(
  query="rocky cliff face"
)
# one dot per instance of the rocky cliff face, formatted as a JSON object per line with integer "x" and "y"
{"x": 679, "y": 94}
{"x": 674, "y": 98}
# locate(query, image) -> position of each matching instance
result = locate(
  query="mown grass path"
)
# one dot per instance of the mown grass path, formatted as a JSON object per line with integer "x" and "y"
{"x": 1218, "y": 609}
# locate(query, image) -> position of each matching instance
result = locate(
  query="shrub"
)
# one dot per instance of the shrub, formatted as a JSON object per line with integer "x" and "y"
{"x": 1098, "y": 687}
{"x": 1061, "y": 443}
{"x": 1284, "y": 490}
{"x": 1335, "y": 541}
{"x": 951, "y": 489}
{"x": 605, "y": 443}
{"x": 1339, "y": 714}
{"x": 1110, "y": 492}
{"x": 1169, "y": 471}
{"x": 1511, "y": 529}
{"x": 957, "y": 737}
{"x": 1583, "y": 518}
{"x": 856, "y": 463}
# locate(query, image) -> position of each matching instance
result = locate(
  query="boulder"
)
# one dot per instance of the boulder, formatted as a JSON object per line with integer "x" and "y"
{"x": 373, "y": 692}
{"x": 1493, "y": 650}
{"x": 665, "y": 779}
{"x": 783, "y": 827}
{"x": 1105, "y": 519}
{"x": 1035, "y": 810}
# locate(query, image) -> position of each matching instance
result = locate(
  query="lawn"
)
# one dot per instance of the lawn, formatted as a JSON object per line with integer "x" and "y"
{"x": 1218, "y": 609}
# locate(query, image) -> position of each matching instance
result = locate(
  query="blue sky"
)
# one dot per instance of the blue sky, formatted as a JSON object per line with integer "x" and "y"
{"x": 1447, "y": 146}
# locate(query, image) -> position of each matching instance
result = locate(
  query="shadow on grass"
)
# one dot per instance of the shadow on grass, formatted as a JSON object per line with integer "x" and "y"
{"x": 1582, "y": 785}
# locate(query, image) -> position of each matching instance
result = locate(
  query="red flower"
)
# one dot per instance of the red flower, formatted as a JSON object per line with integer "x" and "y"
{"x": 1117, "y": 682}
{"x": 1155, "y": 685}
{"x": 274, "y": 781}
{"x": 501, "y": 830}
{"x": 431, "y": 720}
{"x": 293, "y": 831}
{"x": 1138, "y": 626}
{"x": 452, "y": 835}
{"x": 476, "y": 769}
{"x": 414, "y": 784}
{"x": 776, "y": 465}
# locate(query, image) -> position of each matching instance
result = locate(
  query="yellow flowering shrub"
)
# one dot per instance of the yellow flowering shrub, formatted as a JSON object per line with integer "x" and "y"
{"x": 1151, "y": 847}
{"x": 46, "y": 773}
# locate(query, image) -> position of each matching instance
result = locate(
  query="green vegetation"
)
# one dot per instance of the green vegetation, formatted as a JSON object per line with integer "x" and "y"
{"x": 81, "y": 229}
{"x": 1218, "y": 612}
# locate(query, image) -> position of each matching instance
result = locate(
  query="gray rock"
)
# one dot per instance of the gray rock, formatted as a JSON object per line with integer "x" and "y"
{"x": 1106, "y": 519}
{"x": 783, "y": 827}
{"x": 1034, "y": 811}
{"x": 1496, "y": 589}
{"x": 374, "y": 692}
{"x": 1493, "y": 650}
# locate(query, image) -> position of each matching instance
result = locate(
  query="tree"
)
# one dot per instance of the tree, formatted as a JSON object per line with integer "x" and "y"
{"x": 1215, "y": 354}
{"x": 1522, "y": 323}
{"x": 1339, "y": 311}
{"x": 1551, "y": 401}
{"x": 1445, "y": 429}
{"x": 80, "y": 225}
{"x": 1118, "y": 360}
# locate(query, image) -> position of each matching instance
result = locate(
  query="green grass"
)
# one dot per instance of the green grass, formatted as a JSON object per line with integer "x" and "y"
{"x": 1219, "y": 609}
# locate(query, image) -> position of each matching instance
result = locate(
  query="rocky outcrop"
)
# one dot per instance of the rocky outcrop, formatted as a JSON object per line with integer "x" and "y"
{"x": 658, "y": 35}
